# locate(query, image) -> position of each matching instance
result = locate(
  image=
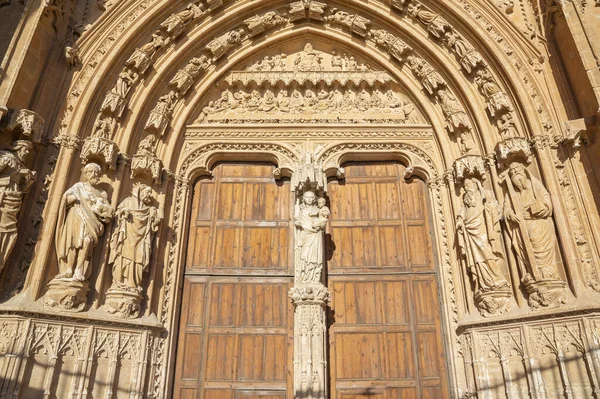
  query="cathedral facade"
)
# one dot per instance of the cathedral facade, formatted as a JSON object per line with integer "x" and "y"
{"x": 263, "y": 199}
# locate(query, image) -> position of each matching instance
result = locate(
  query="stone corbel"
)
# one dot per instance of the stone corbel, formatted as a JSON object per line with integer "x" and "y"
{"x": 101, "y": 150}
{"x": 26, "y": 123}
{"x": 513, "y": 149}
{"x": 469, "y": 166}
{"x": 113, "y": 104}
{"x": 145, "y": 165}
{"x": 578, "y": 132}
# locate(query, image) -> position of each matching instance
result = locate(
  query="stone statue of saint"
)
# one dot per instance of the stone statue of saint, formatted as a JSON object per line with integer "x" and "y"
{"x": 131, "y": 242}
{"x": 83, "y": 211}
{"x": 310, "y": 223}
{"x": 478, "y": 228}
{"x": 15, "y": 180}
{"x": 528, "y": 211}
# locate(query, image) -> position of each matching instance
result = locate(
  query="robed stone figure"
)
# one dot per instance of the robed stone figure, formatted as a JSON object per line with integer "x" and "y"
{"x": 479, "y": 239}
{"x": 84, "y": 210}
{"x": 528, "y": 210}
{"x": 310, "y": 244}
{"x": 15, "y": 181}
{"x": 131, "y": 242}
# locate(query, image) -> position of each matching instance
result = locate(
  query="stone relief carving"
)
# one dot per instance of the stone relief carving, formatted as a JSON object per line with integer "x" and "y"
{"x": 395, "y": 46}
{"x": 307, "y": 9}
{"x": 528, "y": 212}
{"x": 260, "y": 23}
{"x": 175, "y": 24}
{"x": 220, "y": 45}
{"x": 479, "y": 240}
{"x": 145, "y": 161}
{"x": 136, "y": 222}
{"x": 346, "y": 90}
{"x": 184, "y": 78}
{"x": 346, "y": 106}
{"x": 353, "y": 22}
{"x": 15, "y": 181}
{"x": 160, "y": 116}
{"x": 141, "y": 58}
{"x": 84, "y": 210}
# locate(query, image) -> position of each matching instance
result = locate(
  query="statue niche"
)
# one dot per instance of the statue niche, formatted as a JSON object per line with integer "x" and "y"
{"x": 136, "y": 223}
{"x": 528, "y": 213}
{"x": 84, "y": 210}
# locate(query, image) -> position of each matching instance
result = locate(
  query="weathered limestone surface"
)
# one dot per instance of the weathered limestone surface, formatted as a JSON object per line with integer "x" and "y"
{"x": 110, "y": 110}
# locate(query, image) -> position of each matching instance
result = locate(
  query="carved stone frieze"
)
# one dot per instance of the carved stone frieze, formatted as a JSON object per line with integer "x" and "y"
{"x": 288, "y": 97}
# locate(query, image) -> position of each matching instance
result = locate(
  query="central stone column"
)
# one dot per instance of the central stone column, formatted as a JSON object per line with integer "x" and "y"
{"x": 309, "y": 296}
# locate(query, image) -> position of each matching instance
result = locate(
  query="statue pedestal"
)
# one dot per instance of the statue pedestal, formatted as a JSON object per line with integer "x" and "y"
{"x": 67, "y": 294}
{"x": 123, "y": 302}
{"x": 493, "y": 303}
{"x": 310, "y": 340}
{"x": 548, "y": 293}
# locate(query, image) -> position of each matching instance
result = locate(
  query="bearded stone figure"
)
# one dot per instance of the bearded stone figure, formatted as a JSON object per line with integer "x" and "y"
{"x": 84, "y": 210}
{"x": 130, "y": 248}
{"x": 15, "y": 181}
{"x": 528, "y": 212}
{"x": 478, "y": 228}
{"x": 310, "y": 224}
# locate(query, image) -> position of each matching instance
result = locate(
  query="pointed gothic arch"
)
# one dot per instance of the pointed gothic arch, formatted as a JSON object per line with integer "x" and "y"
{"x": 123, "y": 94}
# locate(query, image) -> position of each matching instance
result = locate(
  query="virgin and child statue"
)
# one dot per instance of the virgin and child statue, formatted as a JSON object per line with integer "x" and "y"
{"x": 310, "y": 223}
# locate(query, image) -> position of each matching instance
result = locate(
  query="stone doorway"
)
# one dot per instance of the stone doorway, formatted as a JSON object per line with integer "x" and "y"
{"x": 236, "y": 334}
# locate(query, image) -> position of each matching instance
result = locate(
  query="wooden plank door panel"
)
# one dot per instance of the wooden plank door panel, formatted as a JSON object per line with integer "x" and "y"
{"x": 236, "y": 320}
{"x": 386, "y": 335}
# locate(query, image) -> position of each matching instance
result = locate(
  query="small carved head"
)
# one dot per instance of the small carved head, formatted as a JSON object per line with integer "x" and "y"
{"x": 92, "y": 173}
{"x": 309, "y": 198}
{"x": 518, "y": 175}
{"x": 21, "y": 148}
{"x": 145, "y": 193}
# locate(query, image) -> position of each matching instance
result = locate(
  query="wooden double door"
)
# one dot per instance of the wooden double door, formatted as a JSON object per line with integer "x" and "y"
{"x": 236, "y": 327}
